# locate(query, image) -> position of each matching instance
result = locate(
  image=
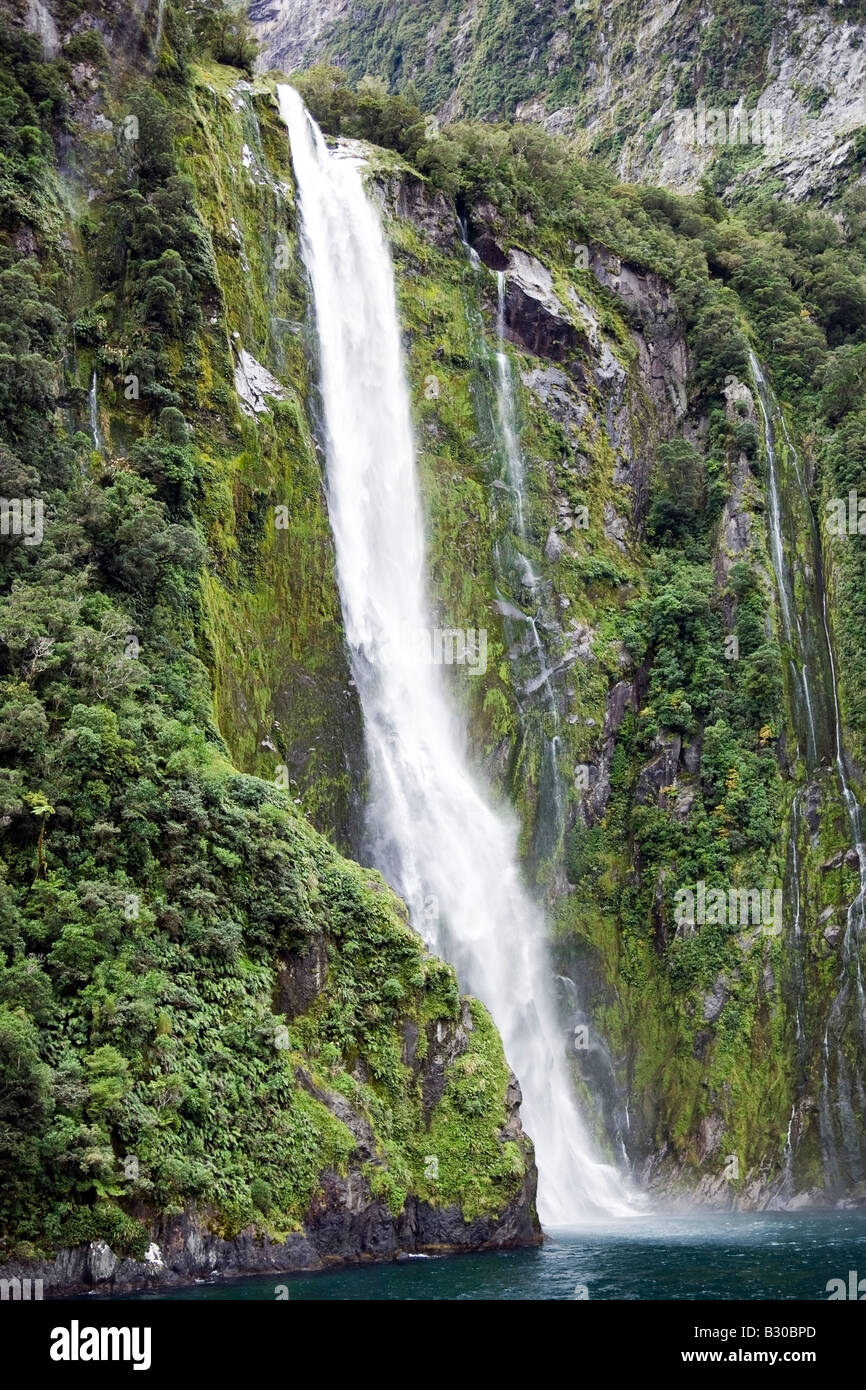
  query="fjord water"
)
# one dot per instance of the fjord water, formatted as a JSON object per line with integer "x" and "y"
{"x": 434, "y": 832}
{"x": 775, "y": 1255}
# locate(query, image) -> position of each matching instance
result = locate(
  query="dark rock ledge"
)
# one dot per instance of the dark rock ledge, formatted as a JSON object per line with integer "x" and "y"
{"x": 344, "y": 1226}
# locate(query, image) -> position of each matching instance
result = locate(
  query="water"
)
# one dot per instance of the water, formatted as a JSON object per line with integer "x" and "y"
{"x": 505, "y": 405}
{"x": 808, "y": 648}
{"x": 40, "y": 22}
{"x": 818, "y": 725}
{"x": 93, "y": 406}
{"x": 160, "y": 26}
{"x": 433, "y": 830}
{"x": 737, "y": 1256}
{"x": 520, "y": 592}
{"x": 516, "y": 477}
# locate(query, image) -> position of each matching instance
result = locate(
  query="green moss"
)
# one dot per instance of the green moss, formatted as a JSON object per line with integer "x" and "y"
{"x": 474, "y": 1168}
{"x": 150, "y": 1068}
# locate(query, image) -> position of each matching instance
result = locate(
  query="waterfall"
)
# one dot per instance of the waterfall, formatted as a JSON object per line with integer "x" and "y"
{"x": 520, "y": 606}
{"x": 819, "y": 732}
{"x": 93, "y": 405}
{"x": 433, "y": 830}
{"x": 516, "y": 478}
{"x": 40, "y": 21}
{"x": 506, "y": 411}
{"x": 160, "y": 27}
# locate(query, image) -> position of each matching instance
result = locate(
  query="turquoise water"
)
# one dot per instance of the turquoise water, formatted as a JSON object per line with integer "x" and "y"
{"x": 735, "y": 1256}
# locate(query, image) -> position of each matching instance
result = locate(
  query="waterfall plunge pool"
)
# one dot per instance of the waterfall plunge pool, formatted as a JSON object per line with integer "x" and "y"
{"x": 729, "y": 1256}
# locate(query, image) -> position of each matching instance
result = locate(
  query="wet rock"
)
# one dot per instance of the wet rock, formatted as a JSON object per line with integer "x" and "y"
{"x": 339, "y": 1106}
{"x": 554, "y": 547}
{"x": 484, "y": 228}
{"x": 40, "y": 22}
{"x": 254, "y": 383}
{"x": 832, "y": 929}
{"x": 25, "y": 241}
{"x": 578, "y": 645}
{"x": 513, "y": 1128}
{"x": 556, "y": 392}
{"x": 848, "y": 857}
{"x": 620, "y": 699}
{"x": 301, "y": 975}
{"x": 429, "y": 211}
{"x": 812, "y": 808}
{"x": 714, "y": 1002}
{"x": 655, "y": 776}
{"x": 445, "y": 1043}
{"x": 101, "y": 1262}
{"x": 833, "y": 934}
{"x": 710, "y": 1135}
{"x": 615, "y": 527}
{"x": 663, "y": 358}
{"x": 490, "y": 250}
{"x": 410, "y": 1041}
{"x": 534, "y": 317}
{"x": 692, "y": 755}
{"x": 585, "y": 776}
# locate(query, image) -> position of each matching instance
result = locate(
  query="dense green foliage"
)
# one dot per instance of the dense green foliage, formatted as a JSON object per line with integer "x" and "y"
{"x": 150, "y": 887}
{"x": 508, "y": 57}
{"x": 150, "y": 891}
{"x": 494, "y": 55}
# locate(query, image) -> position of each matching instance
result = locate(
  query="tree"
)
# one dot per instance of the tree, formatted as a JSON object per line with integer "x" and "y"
{"x": 678, "y": 491}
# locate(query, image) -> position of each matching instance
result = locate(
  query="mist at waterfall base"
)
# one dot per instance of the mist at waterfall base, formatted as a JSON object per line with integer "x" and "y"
{"x": 434, "y": 832}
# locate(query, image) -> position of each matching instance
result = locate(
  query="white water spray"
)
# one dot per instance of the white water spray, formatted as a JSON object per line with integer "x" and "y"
{"x": 435, "y": 832}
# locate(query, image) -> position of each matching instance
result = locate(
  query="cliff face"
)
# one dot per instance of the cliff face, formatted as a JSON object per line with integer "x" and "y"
{"x": 223, "y": 1047}
{"x": 622, "y": 81}
{"x": 260, "y": 1066}
{"x": 351, "y": 1218}
{"x": 632, "y": 627}
{"x": 604, "y": 379}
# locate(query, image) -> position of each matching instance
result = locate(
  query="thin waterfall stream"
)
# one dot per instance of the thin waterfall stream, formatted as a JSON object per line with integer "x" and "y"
{"x": 519, "y": 590}
{"x": 93, "y": 409}
{"x": 434, "y": 831}
{"x": 516, "y": 478}
{"x": 818, "y": 724}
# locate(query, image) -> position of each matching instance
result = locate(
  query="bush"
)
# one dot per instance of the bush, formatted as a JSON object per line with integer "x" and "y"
{"x": 86, "y": 48}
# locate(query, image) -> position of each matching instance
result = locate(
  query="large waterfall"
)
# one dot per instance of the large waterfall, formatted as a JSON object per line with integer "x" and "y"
{"x": 434, "y": 832}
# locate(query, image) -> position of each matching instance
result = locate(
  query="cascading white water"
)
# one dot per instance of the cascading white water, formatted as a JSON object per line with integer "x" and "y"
{"x": 435, "y": 832}
{"x": 93, "y": 406}
{"x": 505, "y": 407}
{"x": 791, "y": 621}
{"x": 516, "y": 477}
{"x": 160, "y": 26}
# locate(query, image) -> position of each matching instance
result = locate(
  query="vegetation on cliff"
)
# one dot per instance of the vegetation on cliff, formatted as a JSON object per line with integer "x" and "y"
{"x": 660, "y": 607}
{"x": 152, "y": 893}
{"x": 175, "y": 708}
